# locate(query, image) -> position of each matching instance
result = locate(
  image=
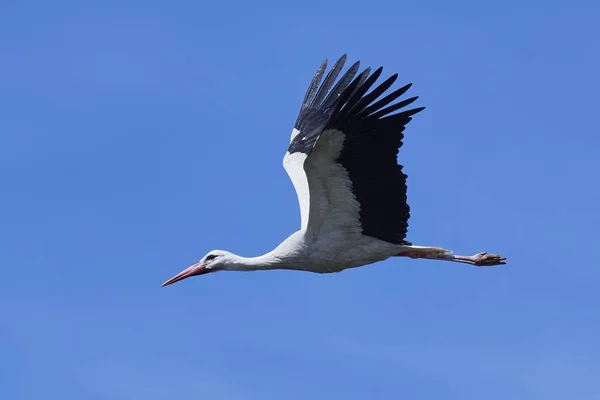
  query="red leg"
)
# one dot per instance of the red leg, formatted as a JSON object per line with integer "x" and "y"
{"x": 482, "y": 259}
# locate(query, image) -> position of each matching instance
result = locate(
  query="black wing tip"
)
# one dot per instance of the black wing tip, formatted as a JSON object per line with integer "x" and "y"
{"x": 364, "y": 105}
{"x": 414, "y": 111}
{"x": 350, "y": 96}
{"x": 342, "y": 59}
{"x": 319, "y": 72}
{"x": 366, "y": 72}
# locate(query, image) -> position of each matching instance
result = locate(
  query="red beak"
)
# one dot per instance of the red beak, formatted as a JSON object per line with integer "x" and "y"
{"x": 196, "y": 269}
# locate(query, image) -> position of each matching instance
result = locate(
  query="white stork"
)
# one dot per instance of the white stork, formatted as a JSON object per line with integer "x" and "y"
{"x": 342, "y": 160}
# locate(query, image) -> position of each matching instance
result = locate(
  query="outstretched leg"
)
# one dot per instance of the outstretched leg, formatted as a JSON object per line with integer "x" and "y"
{"x": 482, "y": 259}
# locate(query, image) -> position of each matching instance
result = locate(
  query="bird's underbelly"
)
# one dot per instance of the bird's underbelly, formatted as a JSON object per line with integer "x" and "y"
{"x": 331, "y": 254}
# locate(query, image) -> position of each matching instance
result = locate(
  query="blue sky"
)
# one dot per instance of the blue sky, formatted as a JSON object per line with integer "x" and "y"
{"x": 136, "y": 136}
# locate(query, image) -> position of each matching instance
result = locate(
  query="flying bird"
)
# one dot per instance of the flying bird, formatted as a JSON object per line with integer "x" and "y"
{"x": 342, "y": 161}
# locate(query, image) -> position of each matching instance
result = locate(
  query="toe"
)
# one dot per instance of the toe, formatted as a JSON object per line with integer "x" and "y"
{"x": 484, "y": 259}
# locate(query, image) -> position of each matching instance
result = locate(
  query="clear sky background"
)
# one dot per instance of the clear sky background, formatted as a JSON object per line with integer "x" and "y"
{"x": 135, "y": 136}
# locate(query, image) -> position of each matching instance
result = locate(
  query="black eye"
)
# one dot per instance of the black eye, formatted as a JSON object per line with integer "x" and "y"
{"x": 210, "y": 257}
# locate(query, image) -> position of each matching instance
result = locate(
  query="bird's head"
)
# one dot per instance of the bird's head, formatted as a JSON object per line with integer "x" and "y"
{"x": 216, "y": 260}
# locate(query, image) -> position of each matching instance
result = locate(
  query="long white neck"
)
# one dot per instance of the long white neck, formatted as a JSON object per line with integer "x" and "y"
{"x": 266, "y": 261}
{"x": 284, "y": 256}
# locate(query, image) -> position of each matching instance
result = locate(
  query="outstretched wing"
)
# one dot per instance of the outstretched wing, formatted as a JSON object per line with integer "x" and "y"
{"x": 342, "y": 157}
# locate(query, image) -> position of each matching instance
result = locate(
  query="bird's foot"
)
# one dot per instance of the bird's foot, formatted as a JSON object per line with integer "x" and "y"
{"x": 482, "y": 259}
